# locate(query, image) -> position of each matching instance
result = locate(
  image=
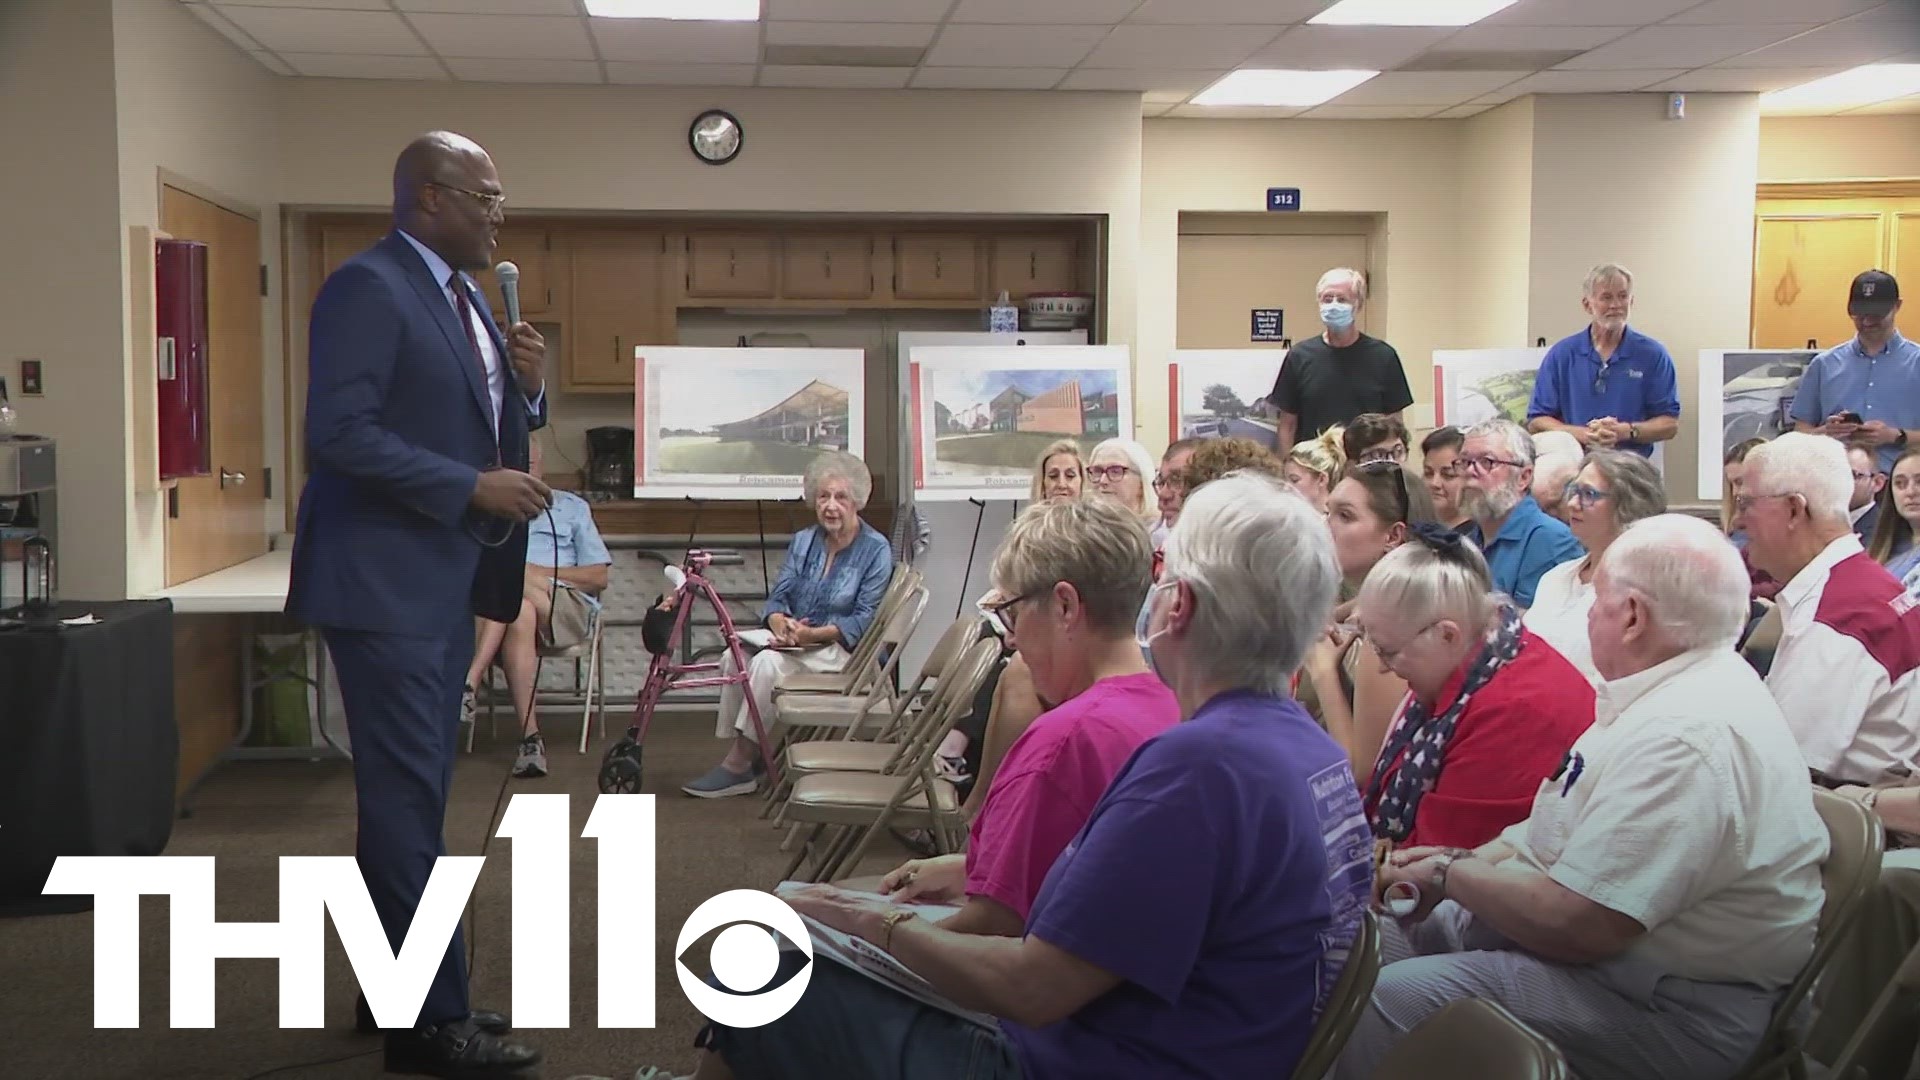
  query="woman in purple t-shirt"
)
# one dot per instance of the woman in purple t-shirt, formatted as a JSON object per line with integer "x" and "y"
{"x": 1196, "y": 924}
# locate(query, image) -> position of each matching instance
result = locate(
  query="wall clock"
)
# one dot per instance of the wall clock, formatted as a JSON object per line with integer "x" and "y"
{"x": 715, "y": 137}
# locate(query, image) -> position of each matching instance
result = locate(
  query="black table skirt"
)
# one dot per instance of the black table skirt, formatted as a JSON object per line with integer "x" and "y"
{"x": 92, "y": 751}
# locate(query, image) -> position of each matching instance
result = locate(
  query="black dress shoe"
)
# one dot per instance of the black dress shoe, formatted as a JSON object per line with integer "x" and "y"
{"x": 492, "y": 1023}
{"x": 458, "y": 1051}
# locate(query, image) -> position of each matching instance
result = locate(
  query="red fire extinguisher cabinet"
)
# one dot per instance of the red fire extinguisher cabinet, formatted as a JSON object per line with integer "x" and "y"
{"x": 180, "y": 280}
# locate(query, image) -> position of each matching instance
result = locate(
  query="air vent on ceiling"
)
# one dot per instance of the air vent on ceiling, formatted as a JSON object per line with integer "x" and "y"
{"x": 876, "y": 56}
{"x": 1489, "y": 60}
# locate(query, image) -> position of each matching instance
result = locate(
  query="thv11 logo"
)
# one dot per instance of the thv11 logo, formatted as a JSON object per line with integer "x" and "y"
{"x": 313, "y": 888}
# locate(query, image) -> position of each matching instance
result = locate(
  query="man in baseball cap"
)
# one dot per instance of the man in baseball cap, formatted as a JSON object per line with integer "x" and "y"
{"x": 1866, "y": 390}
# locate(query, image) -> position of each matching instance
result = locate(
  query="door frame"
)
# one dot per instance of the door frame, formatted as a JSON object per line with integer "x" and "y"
{"x": 1372, "y": 225}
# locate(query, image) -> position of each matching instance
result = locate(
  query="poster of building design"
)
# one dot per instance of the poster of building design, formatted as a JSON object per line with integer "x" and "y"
{"x": 732, "y": 423}
{"x": 1213, "y": 392}
{"x": 982, "y": 415}
{"x": 1471, "y": 385}
{"x": 1744, "y": 394}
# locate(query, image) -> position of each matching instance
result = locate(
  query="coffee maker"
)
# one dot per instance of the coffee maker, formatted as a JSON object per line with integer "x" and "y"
{"x": 610, "y": 463}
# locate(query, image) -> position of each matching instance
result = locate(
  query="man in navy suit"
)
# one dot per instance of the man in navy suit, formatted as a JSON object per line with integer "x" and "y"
{"x": 413, "y": 521}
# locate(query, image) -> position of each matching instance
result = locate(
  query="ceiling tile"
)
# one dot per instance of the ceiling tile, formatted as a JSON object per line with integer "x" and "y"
{"x": 1235, "y": 112}
{"x": 1246, "y": 12}
{"x": 1369, "y": 112}
{"x": 1461, "y": 112}
{"x": 487, "y": 7}
{"x": 1588, "y": 82}
{"x": 272, "y": 63}
{"x": 681, "y": 74}
{"x": 533, "y": 37}
{"x": 1166, "y": 97}
{"x": 1015, "y": 46}
{"x": 1371, "y": 48}
{"x": 677, "y": 42}
{"x": 526, "y": 71}
{"x": 1433, "y": 88}
{"x": 339, "y": 66}
{"x": 1179, "y": 46}
{"x": 1750, "y": 12}
{"x": 228, "y": 30}
{"x": 1902, "y": 106}
{"x": 1839, "y": 43}
{"x": 1151, "y": 109}
{"x": 1901, "y": 15}
{"x": 1587, "y": 12}
{"x": 1680, "y": 46}
{"x": 1533, "y": 38}
{"x": 913, "y": 35}
{"x": 1185, "y": 83}
{"x": 377, "y": 33}
{"x": 1061, "y": 12}
{"x": 918, "y": 11}
{"x": 987, "y": 78}
{"x": 1742, "y": 80}
{"x": 337, "y": 5}
{"x": 851, "y": 77}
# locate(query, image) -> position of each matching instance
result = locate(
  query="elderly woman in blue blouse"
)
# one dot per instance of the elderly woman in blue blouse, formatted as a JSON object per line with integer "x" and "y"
{"x": 825, "y": 598}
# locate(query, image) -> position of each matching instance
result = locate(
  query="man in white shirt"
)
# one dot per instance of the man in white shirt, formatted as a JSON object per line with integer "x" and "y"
{"x": 1650, "y": 911}
{"x": 1847, "y": 672}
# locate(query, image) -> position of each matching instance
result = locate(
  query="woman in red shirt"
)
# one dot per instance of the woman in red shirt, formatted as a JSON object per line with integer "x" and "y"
{"x": 1490, "y": 712}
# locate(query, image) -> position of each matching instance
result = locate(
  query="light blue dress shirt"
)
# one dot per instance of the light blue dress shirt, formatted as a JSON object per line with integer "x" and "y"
{"x": 497, "y": 366}
{"x": 1885, "y": 387}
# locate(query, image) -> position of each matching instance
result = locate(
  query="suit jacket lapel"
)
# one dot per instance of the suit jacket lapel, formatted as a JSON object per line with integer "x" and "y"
{"x": 434, "y": 296}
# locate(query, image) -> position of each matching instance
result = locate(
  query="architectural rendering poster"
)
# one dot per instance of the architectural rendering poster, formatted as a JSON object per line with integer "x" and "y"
{"x": 1471, "y": 385}
{"x": 982, "y": 415}
{"x": 730, "y": 423}
{"x": 1744, "y": 394}
{"x": 1214, "y": 392}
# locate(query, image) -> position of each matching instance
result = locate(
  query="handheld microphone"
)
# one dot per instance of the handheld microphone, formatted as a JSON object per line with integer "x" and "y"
{"x": 509, "y": 276}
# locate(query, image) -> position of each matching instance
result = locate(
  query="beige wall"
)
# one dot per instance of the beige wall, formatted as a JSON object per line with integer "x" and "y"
{"x": 1839, "y": 148}
{"x": 1496, "y": 227}
{"x": 60, "y": 282}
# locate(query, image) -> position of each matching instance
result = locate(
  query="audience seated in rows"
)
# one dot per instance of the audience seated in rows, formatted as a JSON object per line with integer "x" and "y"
{"x": 1490, "y": 708}
{"x": 1894, "y": 544}
{"x": 1847, "y": 670}
{"x": 1440, "y": 467}
{"x": 1197, "y": 922}
{"x": 1520, "y": 540}
{"x": 1649, "y": 912}
{"x": 825, "y": 599}
{"x": 1614, "y": 489}
{"x": 1314, "y": 466}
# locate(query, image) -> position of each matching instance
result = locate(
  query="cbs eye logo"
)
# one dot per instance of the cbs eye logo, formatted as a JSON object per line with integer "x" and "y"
{"x": 745, "y": 958}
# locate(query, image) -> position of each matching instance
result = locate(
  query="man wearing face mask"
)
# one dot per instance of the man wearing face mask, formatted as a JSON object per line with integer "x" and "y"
{"x": 1866, "y": 390}
{"x": 1336, "y": 376}
{"x": 1609, "y": 386}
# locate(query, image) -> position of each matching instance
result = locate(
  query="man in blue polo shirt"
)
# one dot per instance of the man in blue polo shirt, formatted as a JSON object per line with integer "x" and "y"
{"x": 1868, "y": 389}
{"x": 1520, "y": 540}
{"x": 1609, "y": 386}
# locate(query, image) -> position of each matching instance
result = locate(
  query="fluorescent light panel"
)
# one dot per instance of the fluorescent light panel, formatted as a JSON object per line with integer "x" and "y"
{"x": 1409, "y": 12}
{"x": 705, "y": 10}
{"x": 1281, "y": 88}
{"x": 1865, "y": 85}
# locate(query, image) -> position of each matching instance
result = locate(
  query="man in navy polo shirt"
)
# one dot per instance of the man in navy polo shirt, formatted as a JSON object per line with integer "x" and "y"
{"x": 1868, "y": 389}
{"x": 1609, "y": 386}
{"x": 1520, "y": 540}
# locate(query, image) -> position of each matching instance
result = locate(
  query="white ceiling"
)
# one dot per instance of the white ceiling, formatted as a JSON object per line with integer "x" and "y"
{"x": 1167, "y": 50}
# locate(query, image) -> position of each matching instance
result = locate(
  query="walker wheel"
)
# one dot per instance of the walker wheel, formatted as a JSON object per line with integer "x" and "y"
{"x": 620, "y": 772}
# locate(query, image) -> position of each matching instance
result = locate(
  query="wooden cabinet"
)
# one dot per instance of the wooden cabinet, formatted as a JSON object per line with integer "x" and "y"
{"x": 1025, "y": 265}
{"x": 530, "y": 249}
{"x": 936, "y": 267}
{"x": 730, "y": 265}
{"x": 614, "y": 288}
{"x": 338, "y": 243}
{"x": 826, "y": 267}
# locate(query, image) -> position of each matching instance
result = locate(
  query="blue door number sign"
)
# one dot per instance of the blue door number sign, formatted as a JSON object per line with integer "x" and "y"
{"x": 1283, "y": 198}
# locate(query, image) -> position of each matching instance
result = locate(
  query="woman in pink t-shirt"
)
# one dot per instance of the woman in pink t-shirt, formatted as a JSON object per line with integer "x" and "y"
{"x": 1072, "y": 574}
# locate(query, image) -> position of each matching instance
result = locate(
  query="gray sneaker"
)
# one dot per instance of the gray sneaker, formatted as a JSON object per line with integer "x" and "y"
{"x": 720, "y": 783}
{"x": 533, "y": 757}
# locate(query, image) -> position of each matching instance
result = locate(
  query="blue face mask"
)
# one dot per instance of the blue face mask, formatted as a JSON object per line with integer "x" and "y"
{"x": 1143, "y": 634}
{"x": 1336, "y": 315}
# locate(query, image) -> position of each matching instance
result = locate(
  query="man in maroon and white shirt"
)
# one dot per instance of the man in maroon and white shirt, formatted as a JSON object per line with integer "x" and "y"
{"x": 1847, "y": 674}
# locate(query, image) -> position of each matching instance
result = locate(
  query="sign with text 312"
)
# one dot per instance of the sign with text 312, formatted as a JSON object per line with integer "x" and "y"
{"x": 1283, "y": 198}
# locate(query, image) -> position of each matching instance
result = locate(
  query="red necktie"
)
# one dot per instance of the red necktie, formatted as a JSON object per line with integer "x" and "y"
{"x": 466, "y": 323}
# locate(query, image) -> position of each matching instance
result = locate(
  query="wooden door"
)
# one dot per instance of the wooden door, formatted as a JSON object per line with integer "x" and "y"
{"x": 1811, "y": 240}
{"x": 730, "y": 265}
{"x": 936, "y": 268}
{"x": 615, "y": 286}
{"x": 1223, "y": 278}
{"x": 220, "y": 519}
{"x": 826, "y": 267}
{"x": 1025, "y": 265}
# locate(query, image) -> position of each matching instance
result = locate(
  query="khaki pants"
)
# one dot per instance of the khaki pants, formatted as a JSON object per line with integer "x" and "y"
{"x": 571, "y": 621}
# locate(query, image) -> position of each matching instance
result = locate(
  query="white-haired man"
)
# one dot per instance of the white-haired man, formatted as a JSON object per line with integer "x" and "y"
{"x": 1520, "y": 540}
{"x": 1665, "y": 890}
{"x": 1331, "y": 378}
{"x": 1609, "y": 386}
{"x": 1847, "y": 672}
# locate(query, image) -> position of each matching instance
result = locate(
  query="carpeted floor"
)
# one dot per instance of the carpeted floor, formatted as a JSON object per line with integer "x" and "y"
{"x": 249, "y": 814}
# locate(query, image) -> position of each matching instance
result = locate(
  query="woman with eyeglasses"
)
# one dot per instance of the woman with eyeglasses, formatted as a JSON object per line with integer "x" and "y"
{"x": 1445, "y": 476}
{"x": 1490, "y": 710}
{"x": 1373, "y": 510}
{"x": 1613, "y": 489}
{"x": 1119, "y": 470}
{"x": 1896, "y": 539}
{"x": 1374, "y": 437}
{"x": 1314, "y": 467}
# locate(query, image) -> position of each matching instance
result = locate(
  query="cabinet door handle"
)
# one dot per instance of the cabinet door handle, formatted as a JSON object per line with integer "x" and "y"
{"x": 936, "y": 264}
{"x": 235, "y": 478}
{"x": 1033, "y": 265}
{"x": 828, "y": 256}
{"x": 616, "y": 348}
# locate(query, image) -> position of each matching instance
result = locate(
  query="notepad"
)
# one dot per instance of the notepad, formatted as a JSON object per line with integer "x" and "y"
{"x": 875, "y": 963}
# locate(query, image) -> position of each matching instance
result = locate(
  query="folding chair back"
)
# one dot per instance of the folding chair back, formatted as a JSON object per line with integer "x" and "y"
{"x": 863, "y": 667}
{"x": 1350, "y": 997}
{"x": 1474, "y": 1039}
{"x": 1883, "y": 1044}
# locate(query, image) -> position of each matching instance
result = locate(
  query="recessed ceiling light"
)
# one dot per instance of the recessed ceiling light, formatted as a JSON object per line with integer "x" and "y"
{"x": 706, "y": 10}
{"x": 1276, "y": 87}
{"x": 1864, "y": 85}
{"x": 1408, "y": 12}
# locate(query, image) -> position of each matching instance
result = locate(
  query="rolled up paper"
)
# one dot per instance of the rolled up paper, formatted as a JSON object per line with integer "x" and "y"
{"x": 1403, "y": 899}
